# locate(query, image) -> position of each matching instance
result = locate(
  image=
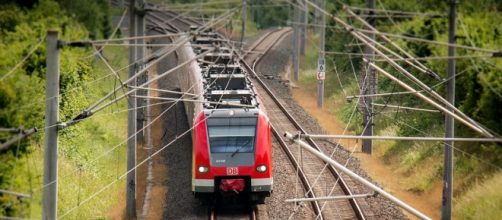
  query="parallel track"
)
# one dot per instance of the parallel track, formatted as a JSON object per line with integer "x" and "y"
{"x": 216, "y": 215}
{"x": 283, "y": 121}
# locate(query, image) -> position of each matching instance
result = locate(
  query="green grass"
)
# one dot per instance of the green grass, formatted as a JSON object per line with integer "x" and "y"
{"x": 482, "y": 201}
{"x": 419, "y": 164}
{"x": 81, "y": 172}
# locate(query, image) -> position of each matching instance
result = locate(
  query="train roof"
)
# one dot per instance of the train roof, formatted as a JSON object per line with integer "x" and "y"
{"x": 225, "y": 81}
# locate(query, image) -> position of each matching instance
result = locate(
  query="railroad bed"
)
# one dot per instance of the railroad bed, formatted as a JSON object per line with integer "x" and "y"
{"x": 315, "y": 175}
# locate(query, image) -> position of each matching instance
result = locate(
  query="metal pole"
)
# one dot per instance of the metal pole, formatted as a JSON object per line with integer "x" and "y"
{"x": 16, "y": 139}
{"x": 17, "y": 194}
{"x": 446, "y": 204}
{"x": 327, "y": 198}
{"x": 244, "y": 19}
{"x": 405, "y": 107}
{"x": 305, "y": 18}
{"x": 296, "y": 49}
{"x": 468, "y": 121}
{"x": 321, "y": 64}
{"x": 371, "y": 27}
{"x": 200, "y": 10}
{"x": 422, "y": 96}
{"x": 50, "y": 196}
{"x": 317, "y": 13}
{"x": 140, "y": 54}
{"x": 397, "y": 138}
{"x": 131, "y": 122}
{"x": 368, "y": 84}
{"x": 356, "y": 177}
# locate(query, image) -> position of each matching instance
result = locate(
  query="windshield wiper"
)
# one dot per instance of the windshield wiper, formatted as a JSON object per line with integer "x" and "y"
{"x": 239, "y": 148}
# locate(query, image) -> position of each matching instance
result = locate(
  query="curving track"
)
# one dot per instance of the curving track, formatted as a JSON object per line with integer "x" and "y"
{"x": 234, "y": 214}
{"x": 313, "y": 173}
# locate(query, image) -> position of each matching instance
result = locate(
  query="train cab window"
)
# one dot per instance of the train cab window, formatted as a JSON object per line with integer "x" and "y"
{"x": 234, "y": 135}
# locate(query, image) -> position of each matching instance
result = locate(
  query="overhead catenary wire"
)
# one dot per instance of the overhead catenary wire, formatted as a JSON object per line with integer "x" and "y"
{"x": 123, "y": 142}
{"x": 138, "y": 164}
{"x": 349, "y": 98}
{"x": 492, "y": 51}
{"x": 115, "y": 73}
{"x": 421, "y": 69}
{"x": 400, "y": 138}
{"x": 24, "y": 59}
{"x": 10, "y": 130}
{"x": 184, "y": 5}
{"x": 132, "y": 136}
{"x": 474, "y": 63}
{"x": 14, "y": 218}
{"x": 94, "y": 107}
{"x": 113, "y": 33}
{"x": 430, "y": 101}
{"x": 22, "y": 134}
{"x": 387, "y": 16}
{"x": 476, "y": 126}
{"x": 396, "y": 12}
{"x": 17, "y": 194}
{"x": 91, "y": 82}
{"x": 415, "y": 64}
{"x": 136, "y": 38}
{"x": 442, "y": 57}
{"x": 75, "y": 122}
{"x": 397, "y": 121}
{"x": 99, "y": 108}
{"x": 345, "y": 130}
{"x": 356, "y": 177}
{"x": 84, "y": 201}
{"x": 405, "y": 107}
{"x": 164, "y": 90}
{"x": 226, "y": 103}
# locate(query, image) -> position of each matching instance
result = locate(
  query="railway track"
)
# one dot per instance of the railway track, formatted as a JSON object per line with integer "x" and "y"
{"x": 316, "y": 183}
{"x": 261, "y": 46}
{"x": 217, "y": 214}
{"x": 314, "y": 176}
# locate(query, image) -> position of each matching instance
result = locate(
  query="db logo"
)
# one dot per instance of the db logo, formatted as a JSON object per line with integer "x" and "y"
{"x": 232, "y": 171}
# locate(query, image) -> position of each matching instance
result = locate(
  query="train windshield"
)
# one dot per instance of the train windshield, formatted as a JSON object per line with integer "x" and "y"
{"x": 231, "y": 135}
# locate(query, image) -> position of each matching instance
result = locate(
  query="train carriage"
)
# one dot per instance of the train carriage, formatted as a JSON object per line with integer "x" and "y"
{"x": 232, "y": 143}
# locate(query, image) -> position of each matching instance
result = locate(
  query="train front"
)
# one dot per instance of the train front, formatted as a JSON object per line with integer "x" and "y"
{"x": 232, "y": 155}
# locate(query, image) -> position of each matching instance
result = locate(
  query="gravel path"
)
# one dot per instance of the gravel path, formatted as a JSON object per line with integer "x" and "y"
{"x": 179, "y": 202}
{"x": 274, "y": 64}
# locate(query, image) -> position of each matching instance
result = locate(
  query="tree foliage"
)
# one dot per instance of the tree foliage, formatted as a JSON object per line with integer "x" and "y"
{"x": 478, "y": 83}
{"x": 22, "y": 99}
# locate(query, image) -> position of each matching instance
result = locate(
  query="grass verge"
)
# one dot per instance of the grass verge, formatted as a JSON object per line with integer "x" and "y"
{"x": 92, "y": 154}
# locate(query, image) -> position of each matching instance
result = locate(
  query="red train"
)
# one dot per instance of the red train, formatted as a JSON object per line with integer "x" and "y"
{"x": 232, "y": 143}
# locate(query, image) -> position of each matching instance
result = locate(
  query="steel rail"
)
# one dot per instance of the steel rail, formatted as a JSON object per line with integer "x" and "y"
{"x": 252, "y": 215}
{"x": 257, "y": 43}
{"x": 279, "y": 137}
{"x": 163, "y": 23}
{"x": 260, "y": 56}
{"x": 355, "y": 206}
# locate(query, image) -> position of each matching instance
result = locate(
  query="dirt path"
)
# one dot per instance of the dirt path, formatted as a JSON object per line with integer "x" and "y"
{"x": 427, "y": 202}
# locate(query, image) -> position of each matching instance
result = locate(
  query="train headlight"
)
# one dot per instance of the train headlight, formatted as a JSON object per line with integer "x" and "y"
{"x": 261, "y": 168}
{"x": 203, "y": 169}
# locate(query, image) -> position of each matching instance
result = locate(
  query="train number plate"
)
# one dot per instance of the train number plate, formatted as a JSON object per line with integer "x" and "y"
{"x": 232, "y": 171}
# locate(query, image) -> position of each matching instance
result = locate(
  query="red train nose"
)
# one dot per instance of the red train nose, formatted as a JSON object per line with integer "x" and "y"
{"x": 232, "y": 185}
